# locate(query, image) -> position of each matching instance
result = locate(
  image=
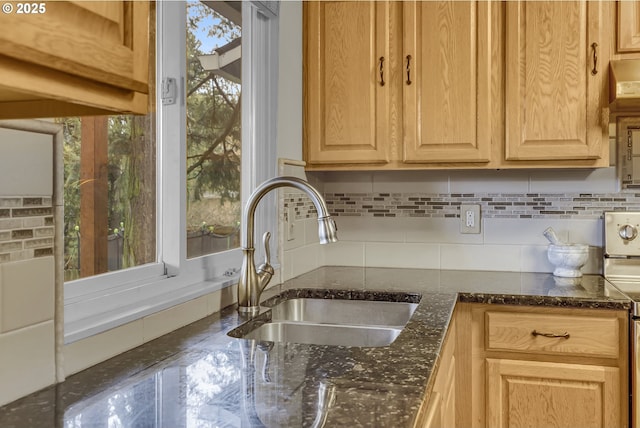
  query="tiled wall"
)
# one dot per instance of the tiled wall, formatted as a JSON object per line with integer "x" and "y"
{"x": 27, "y": 269}
{"x": 411, "y": 219}
{"x": 26, "y": 228}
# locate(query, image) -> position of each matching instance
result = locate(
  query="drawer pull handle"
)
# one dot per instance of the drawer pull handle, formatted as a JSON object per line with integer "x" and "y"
{"x": 381, "y": 70}
{"x": 594, "y": 47}
{"x": 564, "y": 335}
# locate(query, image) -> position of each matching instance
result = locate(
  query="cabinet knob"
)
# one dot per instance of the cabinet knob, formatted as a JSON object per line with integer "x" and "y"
{"x": 408, "y": 69}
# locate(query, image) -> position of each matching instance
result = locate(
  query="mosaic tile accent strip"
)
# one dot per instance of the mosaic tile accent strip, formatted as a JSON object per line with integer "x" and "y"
{"x": 26, "y": 228}
{"x": 492, "y": 205}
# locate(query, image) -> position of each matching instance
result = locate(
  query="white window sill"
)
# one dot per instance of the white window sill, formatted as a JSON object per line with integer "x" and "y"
{"x": 143, "y": 300}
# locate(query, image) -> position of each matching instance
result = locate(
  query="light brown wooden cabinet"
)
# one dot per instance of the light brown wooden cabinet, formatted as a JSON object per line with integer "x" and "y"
{"x": 439, "y": 411}
{"x": 391, "y": 84}
{"x": 446, "y": 81}
{"x": 347, "y": 82}
{"x": 522, "y": 377}
{"x": 555, "y": 80}
{"x": 479, "y": 85}
{"x": 628, "y": 18}
{"x": 74, "y": 58}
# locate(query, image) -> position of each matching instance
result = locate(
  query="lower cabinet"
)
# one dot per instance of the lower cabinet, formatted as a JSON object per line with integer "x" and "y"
{"x": 439, "y": 411}
{"x": 544, "y": 394}
{"x": 534, "y": 366}
{"x": 531, "y": 366}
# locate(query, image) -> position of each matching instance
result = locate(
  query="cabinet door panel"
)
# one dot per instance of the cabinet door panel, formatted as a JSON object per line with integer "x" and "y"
{"x": 536, "y": 394}
{"x": 628, "y": 26}
{"x": 447, "y": 104}
{"x": 94, "y": 40}
{"x": 553, "y": 101}
{"x": 347, "y": 112}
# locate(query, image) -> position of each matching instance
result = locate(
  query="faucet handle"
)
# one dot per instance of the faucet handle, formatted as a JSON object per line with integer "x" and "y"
{"x": 265, "y": 270}
{"x": 267, "y": 251}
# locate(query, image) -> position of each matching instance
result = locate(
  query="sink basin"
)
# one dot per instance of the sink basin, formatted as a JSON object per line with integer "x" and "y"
{"x": 337, "y": 322}
{"x": 325, "y": 334}
{"x": 344, "y": 312}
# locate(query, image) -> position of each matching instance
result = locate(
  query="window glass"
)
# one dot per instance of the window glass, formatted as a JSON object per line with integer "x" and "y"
{"x": 213, "y": 126}
{"x": 110, "y": 188}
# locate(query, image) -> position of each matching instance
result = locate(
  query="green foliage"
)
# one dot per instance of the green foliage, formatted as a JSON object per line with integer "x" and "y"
{"x": 213, "y": 150}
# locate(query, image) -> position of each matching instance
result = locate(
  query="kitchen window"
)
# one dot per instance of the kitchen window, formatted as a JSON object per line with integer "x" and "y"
{"x": 214, "y": 142}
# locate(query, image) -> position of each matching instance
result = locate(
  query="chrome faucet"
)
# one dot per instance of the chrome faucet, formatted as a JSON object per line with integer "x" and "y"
{"x": 253, "y": 281}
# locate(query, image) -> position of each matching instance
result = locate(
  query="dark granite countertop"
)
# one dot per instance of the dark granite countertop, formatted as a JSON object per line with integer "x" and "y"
{"x": 199, "y": 376}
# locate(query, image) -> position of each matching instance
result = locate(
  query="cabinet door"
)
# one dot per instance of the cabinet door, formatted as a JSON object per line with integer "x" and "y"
{"x": 447, "y": 81}
{"x": 103, "y": 41}
{"x": 75, "y": 58}
{"x": 554, "y": 87}
{"x": 628, "y": 26}
{"x": 347, "y": 82}
{"x": 537, "y": 394}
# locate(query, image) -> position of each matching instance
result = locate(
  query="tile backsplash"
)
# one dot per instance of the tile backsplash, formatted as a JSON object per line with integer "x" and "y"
{"x": 26, "y": 228}
{"x": 412, "y": 219}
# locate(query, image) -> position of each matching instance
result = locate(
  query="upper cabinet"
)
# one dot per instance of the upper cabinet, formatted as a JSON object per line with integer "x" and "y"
{"x": 75, "y": 57}
{"x": 347, "y": 82}
{"x": 466, "y": 84}
{"x": 628, "y": 27}
{"x": 446, "y": 102}
{"x": 391, "y": 84}
{"x": 555, "y": 78}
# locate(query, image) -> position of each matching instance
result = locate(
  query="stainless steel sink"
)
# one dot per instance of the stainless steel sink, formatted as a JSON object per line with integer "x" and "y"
{"x": 344, "y": 312}
{"x": 337, "y": 322}
{"x": 325, "y": 334}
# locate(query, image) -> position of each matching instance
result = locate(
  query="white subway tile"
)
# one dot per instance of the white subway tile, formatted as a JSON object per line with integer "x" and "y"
{"x": 299, "y": 235}
{"x": 303, "y": 259}
{"x": 163, "y": 322}
{"x": 229, "y": 295}
{"x": 309, "y": 228}
{"x": 348, "y": 182}
{"x": 599, "y": 180}
{"x": 27, "y": 289}
{"x": 480, "y": 181}
{"x": 587, "y": 231}
{"x": 29, "y": 156}
{"x": 27, "y": 360}
{"x": 401, "y": 255}
{"x": 100, "y": 347}
{"x": 534, "y": 259}
{"x": 365, "y": 229}
{"x": 343, "y": 254}
{"x": 480, "y": 257}
{"x": 438, "y": 230}
{"x": 508, "y": 231}
{"x": 411, "y": 182}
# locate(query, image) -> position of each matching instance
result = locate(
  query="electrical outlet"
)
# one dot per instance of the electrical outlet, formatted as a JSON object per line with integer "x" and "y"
{"x": 470, "y": 218}
{"x": 291, "y": 224}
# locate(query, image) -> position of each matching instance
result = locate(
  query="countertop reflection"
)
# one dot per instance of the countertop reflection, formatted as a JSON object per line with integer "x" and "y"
{"x": 198, "y": 376}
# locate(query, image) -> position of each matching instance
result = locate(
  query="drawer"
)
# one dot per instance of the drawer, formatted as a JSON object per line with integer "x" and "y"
{"x": 523, "y": 332}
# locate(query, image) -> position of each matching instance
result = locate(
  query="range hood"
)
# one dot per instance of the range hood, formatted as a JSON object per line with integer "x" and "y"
{"x": 624, "y": 85}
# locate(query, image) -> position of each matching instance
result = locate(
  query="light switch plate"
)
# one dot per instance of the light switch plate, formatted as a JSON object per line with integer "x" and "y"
{"x": 470, "y": 218}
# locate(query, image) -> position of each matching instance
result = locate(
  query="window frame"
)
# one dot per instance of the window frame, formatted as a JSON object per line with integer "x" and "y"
{"x": 96, "y": 304}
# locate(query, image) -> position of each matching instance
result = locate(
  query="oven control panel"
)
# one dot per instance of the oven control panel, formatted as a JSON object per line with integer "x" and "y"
{"x": 622, "y": 233}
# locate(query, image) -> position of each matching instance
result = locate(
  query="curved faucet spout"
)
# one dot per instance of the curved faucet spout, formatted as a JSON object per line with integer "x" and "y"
{"x": 252, "y": 281}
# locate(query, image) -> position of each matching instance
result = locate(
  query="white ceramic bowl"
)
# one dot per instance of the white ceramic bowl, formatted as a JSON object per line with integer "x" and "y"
{"x": 568, "y": 259}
